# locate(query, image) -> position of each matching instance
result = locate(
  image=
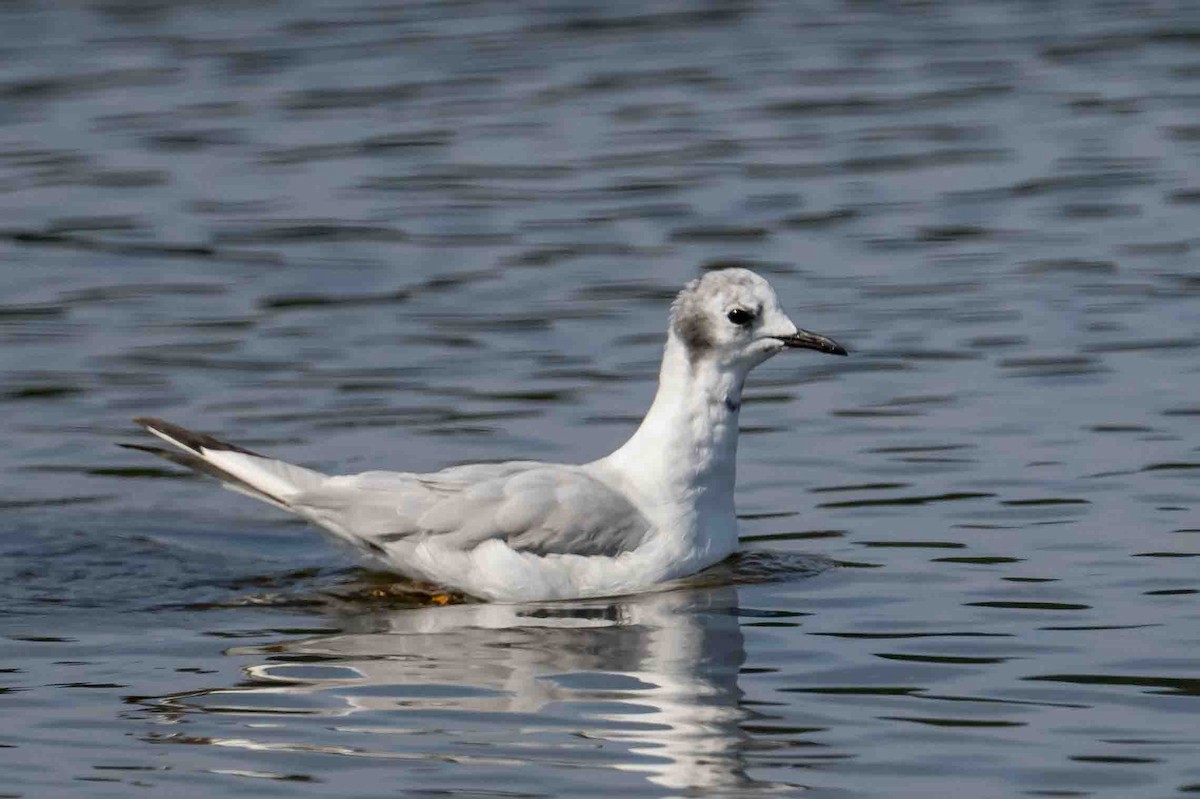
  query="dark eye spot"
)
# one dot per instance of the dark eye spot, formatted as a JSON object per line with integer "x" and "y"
{"x": 740, "y": 316}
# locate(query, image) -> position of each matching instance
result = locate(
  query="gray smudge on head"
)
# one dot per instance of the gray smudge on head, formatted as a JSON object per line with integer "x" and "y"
{"x": 692, "y": 314}
{"x": 690, "y": 323}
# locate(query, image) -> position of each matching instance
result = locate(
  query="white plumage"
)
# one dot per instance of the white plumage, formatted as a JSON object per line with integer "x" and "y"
{"x": 658, "y": 508}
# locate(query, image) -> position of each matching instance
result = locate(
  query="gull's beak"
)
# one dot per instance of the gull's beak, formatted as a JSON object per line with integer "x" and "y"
{"x": 805, "y": 340}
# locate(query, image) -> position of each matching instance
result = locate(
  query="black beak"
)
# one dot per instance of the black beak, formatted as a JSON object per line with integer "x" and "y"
{"x": 804, "y": 340}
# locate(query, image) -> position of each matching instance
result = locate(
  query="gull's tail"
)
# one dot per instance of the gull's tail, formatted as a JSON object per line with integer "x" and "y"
{"x": 240, "y": 470}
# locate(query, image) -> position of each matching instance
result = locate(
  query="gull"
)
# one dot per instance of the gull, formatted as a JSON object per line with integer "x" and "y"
{"x": 658, "y": 508}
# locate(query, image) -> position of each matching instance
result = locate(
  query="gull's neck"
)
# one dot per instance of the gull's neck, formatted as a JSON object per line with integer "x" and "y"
{"x": 682, "y": 459}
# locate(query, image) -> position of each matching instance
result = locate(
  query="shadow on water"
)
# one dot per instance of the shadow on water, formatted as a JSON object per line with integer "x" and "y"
{"x": 645, "y": 685}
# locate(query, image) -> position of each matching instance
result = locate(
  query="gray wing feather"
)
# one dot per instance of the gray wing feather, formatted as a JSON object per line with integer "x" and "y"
{"x": 534, "y": 507}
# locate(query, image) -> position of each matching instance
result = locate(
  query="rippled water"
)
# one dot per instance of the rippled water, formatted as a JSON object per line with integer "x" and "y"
{"x": 412, "y": 235}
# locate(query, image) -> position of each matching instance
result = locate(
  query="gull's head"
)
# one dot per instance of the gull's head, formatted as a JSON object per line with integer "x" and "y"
{"x": 732, "y": 317}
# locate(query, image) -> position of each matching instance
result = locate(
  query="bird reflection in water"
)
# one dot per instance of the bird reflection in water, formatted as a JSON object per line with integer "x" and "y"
{"x": 652, "y": 680}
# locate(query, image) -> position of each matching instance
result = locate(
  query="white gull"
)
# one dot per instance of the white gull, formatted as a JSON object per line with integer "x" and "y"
{"x": 659, "y": 508}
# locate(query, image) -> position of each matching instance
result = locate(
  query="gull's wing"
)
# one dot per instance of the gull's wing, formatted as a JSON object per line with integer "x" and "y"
{"x": 539, "y": 508}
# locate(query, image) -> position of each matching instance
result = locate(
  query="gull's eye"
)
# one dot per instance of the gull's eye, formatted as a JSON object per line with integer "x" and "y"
{"x": 740, "y": 316}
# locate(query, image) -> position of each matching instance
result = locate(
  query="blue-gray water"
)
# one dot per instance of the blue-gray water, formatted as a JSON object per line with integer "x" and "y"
{"x": 362, "y": 235}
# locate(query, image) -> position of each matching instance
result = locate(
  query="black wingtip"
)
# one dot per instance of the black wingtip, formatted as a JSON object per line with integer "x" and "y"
{"x": 189, "y": 438}
{"x": 197, "y": 463}
{"x": 139, "y": 447}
